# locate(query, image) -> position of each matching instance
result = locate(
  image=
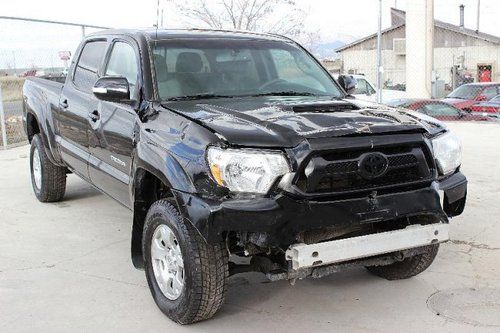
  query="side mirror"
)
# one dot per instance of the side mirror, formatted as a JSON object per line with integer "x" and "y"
{"x": 112, "y": 89}
{"x": 481, "y": 98}
{"x": 348, "y": 83}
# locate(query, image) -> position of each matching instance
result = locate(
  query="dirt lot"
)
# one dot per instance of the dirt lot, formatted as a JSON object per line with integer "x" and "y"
{"x": 66, "y": 267}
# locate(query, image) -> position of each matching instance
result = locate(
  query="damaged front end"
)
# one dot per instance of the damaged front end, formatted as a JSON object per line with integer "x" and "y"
{"x": 362, "y": 200}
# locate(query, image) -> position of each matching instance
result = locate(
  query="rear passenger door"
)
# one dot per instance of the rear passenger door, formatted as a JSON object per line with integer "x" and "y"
{"x": 76, "y": 102}
{"x": 111, "y": 139}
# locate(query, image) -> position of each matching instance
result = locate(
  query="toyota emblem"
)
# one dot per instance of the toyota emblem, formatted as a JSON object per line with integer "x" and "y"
{"x": 373, "y": 165}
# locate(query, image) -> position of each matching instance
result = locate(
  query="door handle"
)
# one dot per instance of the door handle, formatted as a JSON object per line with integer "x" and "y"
{"x": 64, "y": 104}
{"x": 94, "y": 116}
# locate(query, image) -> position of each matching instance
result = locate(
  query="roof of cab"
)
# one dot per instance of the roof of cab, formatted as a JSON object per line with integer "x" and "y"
{"x": 162, "y": 34}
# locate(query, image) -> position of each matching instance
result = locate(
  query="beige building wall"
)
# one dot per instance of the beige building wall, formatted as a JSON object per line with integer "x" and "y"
{"x": 362, "y": 60}
{"x": 486, "y": 54}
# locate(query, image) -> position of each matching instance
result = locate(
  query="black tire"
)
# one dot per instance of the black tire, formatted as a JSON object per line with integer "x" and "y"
{"x": 205, "y": 268}
{"x": 53, "y": 177}
{"x": 409, "y": 267}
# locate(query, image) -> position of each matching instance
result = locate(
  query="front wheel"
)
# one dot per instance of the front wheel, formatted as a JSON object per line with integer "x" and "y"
{"x": 48, "y": 180}
{"x": 186, "y": 275}
{"x": 409, "y": 267}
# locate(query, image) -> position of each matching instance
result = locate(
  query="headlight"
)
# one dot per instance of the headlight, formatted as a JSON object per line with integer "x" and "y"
{"x": 448, "y": 152}
{"x": 246, "y": 170}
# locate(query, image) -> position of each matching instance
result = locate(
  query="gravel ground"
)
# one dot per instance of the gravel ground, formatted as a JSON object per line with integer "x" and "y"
{"x": 66, "y": 267}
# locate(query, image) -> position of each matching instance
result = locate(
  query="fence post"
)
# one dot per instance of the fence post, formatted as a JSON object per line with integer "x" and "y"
{"x": 2, "y": 121}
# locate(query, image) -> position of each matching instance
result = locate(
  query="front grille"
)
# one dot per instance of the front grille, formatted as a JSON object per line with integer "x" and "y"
{"x": 339, "y": 172}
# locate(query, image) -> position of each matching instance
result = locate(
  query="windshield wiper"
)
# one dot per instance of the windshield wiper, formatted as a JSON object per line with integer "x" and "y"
{"x": 196, "y": 97}
{"x": 286, "y": 93}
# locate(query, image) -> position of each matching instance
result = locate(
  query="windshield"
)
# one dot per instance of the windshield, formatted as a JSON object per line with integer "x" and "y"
{"x": 229, "y": 68}
{"x": 465, "y": 92}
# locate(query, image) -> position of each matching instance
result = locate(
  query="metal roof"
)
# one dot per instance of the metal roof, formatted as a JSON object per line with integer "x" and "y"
{"x": 437, "y": 23}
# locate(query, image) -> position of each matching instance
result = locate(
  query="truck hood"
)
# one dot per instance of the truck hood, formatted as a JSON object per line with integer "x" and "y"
{"x": 285, "y": 122}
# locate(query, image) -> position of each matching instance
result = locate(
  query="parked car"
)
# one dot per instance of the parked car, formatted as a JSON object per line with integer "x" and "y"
{"x": 492, "y": 106}
{"x": 366, "y": 91}
{"x": 234, "y": 144}
{"x": 439, "y": 110}
{"x": 469, "y": 94}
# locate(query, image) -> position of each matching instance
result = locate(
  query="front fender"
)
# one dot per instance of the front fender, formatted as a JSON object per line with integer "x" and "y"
{"x": 164, "y": 166}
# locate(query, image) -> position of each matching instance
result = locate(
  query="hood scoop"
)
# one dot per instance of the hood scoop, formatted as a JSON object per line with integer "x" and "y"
{"x": 336, "y": 106}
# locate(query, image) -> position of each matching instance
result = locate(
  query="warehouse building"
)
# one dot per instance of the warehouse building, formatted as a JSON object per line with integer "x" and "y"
{"x": 461, "y": 55}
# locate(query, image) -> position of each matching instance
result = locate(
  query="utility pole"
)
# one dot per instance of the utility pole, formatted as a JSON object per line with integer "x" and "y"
{"x": 379, "y": 53}
{"x": 419, "y": 48}
{"x": 15, "y": 65}
{"x": 478, "y": 13}
{"x": 3, "y": 128}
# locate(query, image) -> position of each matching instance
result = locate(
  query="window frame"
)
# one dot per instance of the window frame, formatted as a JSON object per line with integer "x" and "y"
{"x": 135, "y": 48}
{"x": 496, "y": 88}
{"x": 77, "y": 61}
{"x": 152, "y": 44}
{"x": 425, "y": 109}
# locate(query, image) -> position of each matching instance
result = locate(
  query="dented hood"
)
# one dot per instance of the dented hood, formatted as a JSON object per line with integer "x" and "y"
{"x": 285, "y": 122}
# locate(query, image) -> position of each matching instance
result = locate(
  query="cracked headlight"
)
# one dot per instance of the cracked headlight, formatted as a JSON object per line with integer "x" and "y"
{"x": 447, "y": 152}
{"x": 242, "y": 170}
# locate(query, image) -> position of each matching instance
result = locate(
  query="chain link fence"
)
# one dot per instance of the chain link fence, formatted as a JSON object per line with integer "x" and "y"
{"x": 31, "y": 48}
{"x": 461, "y": 56}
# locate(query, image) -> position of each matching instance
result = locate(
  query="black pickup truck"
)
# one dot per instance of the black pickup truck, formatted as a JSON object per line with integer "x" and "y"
{"x": 238, "y": 152}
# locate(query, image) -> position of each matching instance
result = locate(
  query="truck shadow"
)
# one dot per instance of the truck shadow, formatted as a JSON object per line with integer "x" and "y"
{"x": 253, "y": 293}
{"x": 77, "y": 189}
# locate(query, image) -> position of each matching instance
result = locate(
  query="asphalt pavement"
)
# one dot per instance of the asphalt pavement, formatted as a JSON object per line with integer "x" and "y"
{"x": 65, "y": 267}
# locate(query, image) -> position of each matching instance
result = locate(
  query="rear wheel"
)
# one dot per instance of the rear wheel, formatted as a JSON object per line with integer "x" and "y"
{"x": 186, "y": 275}
{"x": 409, "y": 267}
{"x": 47, "y": 179}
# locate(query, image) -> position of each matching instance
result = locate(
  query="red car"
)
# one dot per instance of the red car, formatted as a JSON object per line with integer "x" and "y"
{"x": 491, "y": 106}
{"x": 468, "y": 94}
{"x": 439, "y": 110}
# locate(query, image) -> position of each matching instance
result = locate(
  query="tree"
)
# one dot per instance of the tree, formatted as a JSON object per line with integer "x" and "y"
{"x": 274, "y": 16}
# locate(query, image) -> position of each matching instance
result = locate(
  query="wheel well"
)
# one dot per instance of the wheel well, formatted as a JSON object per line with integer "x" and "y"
{"x": 32, "y": 127}
{"x": 147, "y": 189}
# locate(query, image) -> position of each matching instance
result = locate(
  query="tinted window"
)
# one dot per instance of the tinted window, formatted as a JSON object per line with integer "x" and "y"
{"x": 490, "y": 92}
{"x": 466, "y": 92}
{"x": 237, "y": 68}
{"x": 88, "y": 64}
{"x": 123, "y": 62}
{"x": 401, "y": 103}
{"x": 361, "y": 87}
{"x": 439, "y": 109}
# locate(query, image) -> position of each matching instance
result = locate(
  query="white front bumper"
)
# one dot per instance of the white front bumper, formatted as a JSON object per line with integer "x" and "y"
{"x": 303, "y": 255}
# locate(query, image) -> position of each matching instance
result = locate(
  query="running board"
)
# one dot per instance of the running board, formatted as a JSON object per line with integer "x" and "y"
{"x": 313, "y": 255}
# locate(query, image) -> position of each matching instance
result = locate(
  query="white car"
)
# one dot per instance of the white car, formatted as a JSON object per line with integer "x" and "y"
{"x": 366, "y": 91}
